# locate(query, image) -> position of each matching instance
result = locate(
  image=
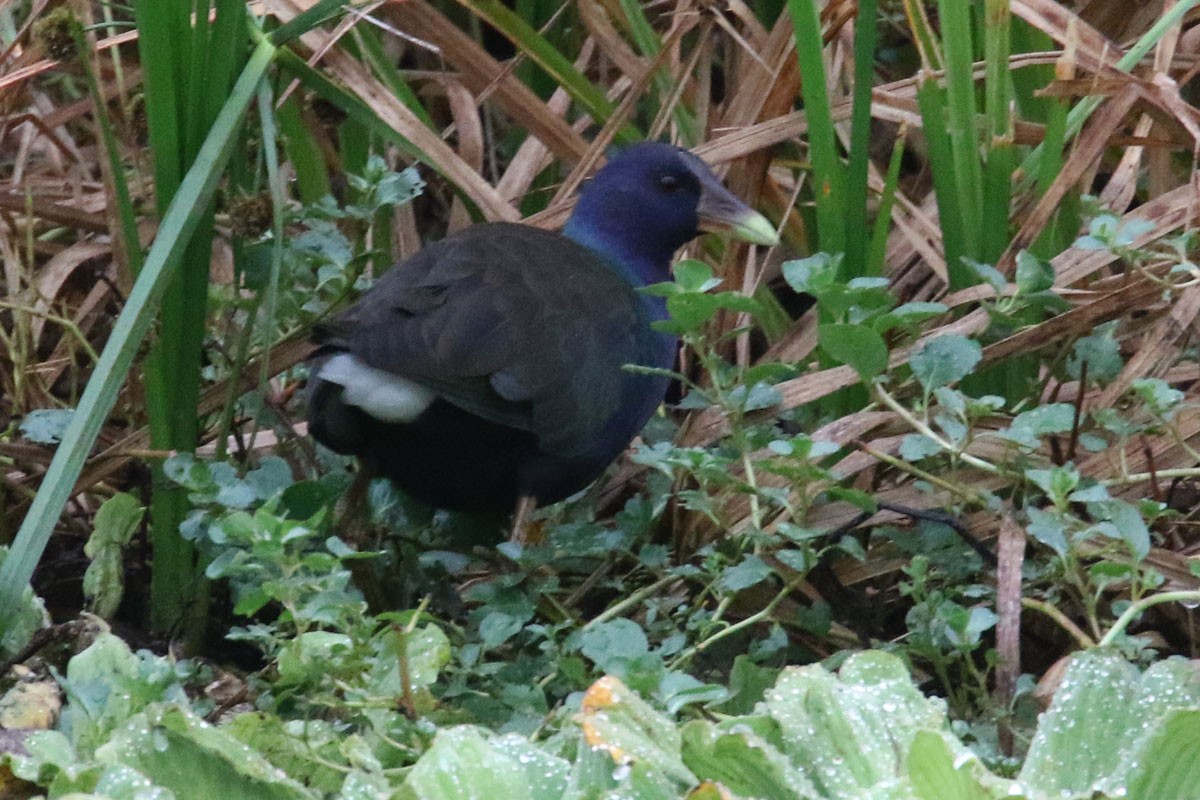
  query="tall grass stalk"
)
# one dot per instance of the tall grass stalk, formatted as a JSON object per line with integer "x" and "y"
{"x": 866, "y": 34}
{"x": 178, "y": 225}
{"x": 827, "y": 170}
{"x": 189, "y": 59}
{"x": 963, "y": 134}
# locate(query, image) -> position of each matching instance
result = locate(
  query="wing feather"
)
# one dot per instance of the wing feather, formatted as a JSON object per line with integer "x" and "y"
{"x": 520, "y": 326}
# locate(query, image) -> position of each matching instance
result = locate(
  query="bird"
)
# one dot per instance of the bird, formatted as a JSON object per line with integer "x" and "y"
{"x": 487, "y": 372}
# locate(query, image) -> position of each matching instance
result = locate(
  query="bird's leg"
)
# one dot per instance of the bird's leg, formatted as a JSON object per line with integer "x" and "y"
{"x": 352, "y": 522}
{"x": 352, "y": 514}
{"x": 519, "y": 533}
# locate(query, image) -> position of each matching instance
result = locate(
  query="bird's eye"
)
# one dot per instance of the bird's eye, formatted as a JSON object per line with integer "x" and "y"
{"x": 668, "y": 183}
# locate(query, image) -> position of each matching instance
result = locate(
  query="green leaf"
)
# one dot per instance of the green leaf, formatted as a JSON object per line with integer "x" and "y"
{"x": 118, "y": 780}
{"x": 915, "y": 446}
{"x": 47, "y": 755}
{"x": 944, "y": 360}
{"x": 908, "y": 315}
{"x": 1057, "y": 482}
{"x": 748, "y": 683}
{"x": 306, "y": 657}
{"x": 272, "y": 476}
{"x": 304, "y": 749}
{"x": 1127, "y": 524}
{"x": 678, "y": 689}
{"x": 850, "y": 732}
{"x": 25, "y": 616}
{"x": 1048, "y": 528}
{"x": 618, "y": 722}
{"x": 799, "y": 560}
{"x": 362, "y": 786}
{"x": 1028, "y": 427}
{"x": 428, "y": 652}
{"x": 179, "y": 751}
{"x": 1167, "y": 766}
{"x": 986, "y": 273}
{"x": 857, "y": 346}
{"x": 813, "y": 275}
{"x": 1100, "y": 352}
{"x": 754, "y": 397}
{"x": 1158, "y": 395}
{"x": 694, "y": 276}
{"x": 1091, "y": 494}
{"x": 690, "y": 311}
{"x": 618, "y": 638}
{"x": 46, "y": 425}
{"x": 104, "y": 580}
{"x": 937, "y": 775}
{"x": 749, "y": 571}
{"x": 305, "y": 499}
{"x": 1033, "y": 274}
{"x": 397, "y": 188}
{"x": 1049, "y": 418}
{"x": 743, "y": 762}
{"x": 98, "y": 681}
{"x": 1080, "y": 738}
{"x": 498, "y": 627}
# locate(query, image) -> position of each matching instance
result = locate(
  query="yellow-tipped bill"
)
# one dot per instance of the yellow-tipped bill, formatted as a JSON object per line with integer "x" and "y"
{"x": 721, "y": 211}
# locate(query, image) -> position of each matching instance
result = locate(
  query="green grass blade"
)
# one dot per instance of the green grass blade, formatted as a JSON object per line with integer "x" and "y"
{"x": 1000, "y": 150}
{"x": 883, "y": 221}
{"x": 1028, "y": 81}
{"x": 1064, "y": 225}
{"x": 473, "y": 187}
{"x": 931, "y": 100}
{"x": 385, "y": 68}
{"x": 312, "y": 173}
{"x": 546, "y": 56}
{"x": 997, "y": 197}
{"x": 347, "y": 101}
{"x": 162, "y": 85}
{"x": 997, "y": 83}
{"x": 827, "y": 165}
{"x": 960, "y": 119}
{"x": 206, "y": 58}
{"x": 647, "y": 41}
{"x": 310, "y": 18}
{"x": 125, "y": 210}
{"x": 225, "y": 47}
{"x": 1084, "y": 108}
{"x": 130, "y": 328}
{"x": 923, "y": 35}
{"x": 866, "y": 34}
{"x": 266, "y": 101}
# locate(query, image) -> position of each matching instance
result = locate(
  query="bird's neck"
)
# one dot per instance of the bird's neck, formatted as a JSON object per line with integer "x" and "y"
{"x": 639, "y": 266}
{"x": 638, "y": 261}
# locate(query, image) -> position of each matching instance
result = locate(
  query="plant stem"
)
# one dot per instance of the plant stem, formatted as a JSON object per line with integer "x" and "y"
{"x": 617, "y": 609}
{"x": 753, "y": 619}
{"x": 1062, "y": 619}
{"x": 1118, "y": 628}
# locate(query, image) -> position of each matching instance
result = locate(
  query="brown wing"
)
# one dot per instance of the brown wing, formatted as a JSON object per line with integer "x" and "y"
{"x": 520, "y": 326}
